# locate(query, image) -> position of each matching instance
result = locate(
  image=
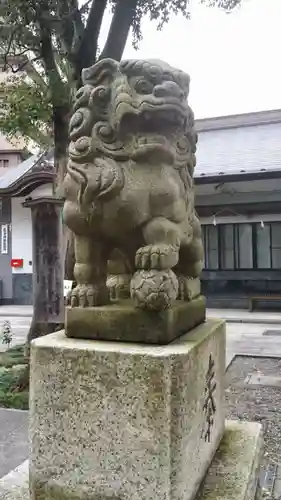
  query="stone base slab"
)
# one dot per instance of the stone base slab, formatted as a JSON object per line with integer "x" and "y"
{"x": 123, "y": 420}
{"x": 15, "y": 485}
{"x": 233, "y": 474}
{"x": 120, "y": 320}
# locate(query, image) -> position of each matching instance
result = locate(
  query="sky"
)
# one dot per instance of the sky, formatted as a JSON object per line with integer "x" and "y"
{"x": 233, "y": 59}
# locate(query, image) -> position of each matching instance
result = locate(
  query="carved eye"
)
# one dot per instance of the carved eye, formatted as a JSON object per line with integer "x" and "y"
{"x": 143, "y": 87}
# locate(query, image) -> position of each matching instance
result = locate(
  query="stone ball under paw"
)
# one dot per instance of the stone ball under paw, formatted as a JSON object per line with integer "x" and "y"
{"x": 154, "y": 290}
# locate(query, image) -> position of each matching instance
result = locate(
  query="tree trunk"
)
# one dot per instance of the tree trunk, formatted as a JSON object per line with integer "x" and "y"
{"x": 61, "y": 116}
{"x": 47, "y": 262}
{"x": 48, "y": 300}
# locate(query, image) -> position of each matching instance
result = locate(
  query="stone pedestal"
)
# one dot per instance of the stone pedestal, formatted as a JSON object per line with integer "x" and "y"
{"x": 122, "y": 321}
{"x": 233, "y": 475}
{"x": 125, "y": 421}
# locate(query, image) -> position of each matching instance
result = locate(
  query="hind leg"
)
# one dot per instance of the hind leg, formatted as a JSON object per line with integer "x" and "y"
{"x": 190, "y": 265}
{"x": 119, "y": 275}
{"x": 90, "y": 273}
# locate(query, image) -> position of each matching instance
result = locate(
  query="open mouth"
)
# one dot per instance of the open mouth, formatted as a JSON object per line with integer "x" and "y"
{"x": 164, "y": 119}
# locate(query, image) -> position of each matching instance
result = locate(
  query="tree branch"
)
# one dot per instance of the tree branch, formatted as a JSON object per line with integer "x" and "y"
{"x": 119, "y": 29}
{"x": 6, "y": 53}
{"x": 35, "y": 76}
{"x": 52, "y": 72}
{"x": 86, "y": 53}
{"x": 78, "y": 25}
{"x": 43, "y": 139}
{"x": 22, "y": 66}
{"x": 66, "y": 26}
{"x": 31, "y": 41}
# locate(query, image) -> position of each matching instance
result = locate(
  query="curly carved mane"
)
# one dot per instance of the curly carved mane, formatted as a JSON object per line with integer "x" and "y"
{"x": 117, "y": 117}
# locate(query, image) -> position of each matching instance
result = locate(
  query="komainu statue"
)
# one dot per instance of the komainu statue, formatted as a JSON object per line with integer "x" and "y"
{"x": 129, "y": 183}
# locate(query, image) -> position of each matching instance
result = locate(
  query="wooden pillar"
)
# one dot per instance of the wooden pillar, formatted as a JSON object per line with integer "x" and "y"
{"x": 47, "y": 259}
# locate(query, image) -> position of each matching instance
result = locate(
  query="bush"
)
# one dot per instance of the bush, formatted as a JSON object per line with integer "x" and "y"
{"x": 12, "y": 365}
{"x": 7, "y": 334}
{"x": 16, "y": 400}
{"x": 13, "y": 356}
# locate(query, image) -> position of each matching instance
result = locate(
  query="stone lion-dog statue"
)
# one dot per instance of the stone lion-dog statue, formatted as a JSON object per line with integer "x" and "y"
{"x": 129, "y": 183}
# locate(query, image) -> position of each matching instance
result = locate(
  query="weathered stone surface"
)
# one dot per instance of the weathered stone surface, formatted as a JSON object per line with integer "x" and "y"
{"x": 256, "y": 379}
{"x": 123, "y": 420}
{"x": 129, "y": 183}
{"x": 234, "y": 472}
{"x": 13, "y": 439}
{"x": 122, "y": 321}
{"x": 15, "y": 485}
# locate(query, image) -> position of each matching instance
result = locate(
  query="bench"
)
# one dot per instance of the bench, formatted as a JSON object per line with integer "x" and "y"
{"x": 259, "y": 298}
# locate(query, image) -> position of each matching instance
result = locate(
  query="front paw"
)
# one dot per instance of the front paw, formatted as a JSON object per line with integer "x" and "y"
{"x": 88, "y": 296}
{"x": 159, "y": 257}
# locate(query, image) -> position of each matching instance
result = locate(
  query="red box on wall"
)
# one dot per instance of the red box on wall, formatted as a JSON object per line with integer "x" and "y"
{"x": 17, "y": 263}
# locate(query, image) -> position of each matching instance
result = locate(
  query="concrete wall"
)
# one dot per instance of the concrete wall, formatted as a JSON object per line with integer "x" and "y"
{"x": 6, "y": 291}
{"x": 22, "y": 246}
{"x": 21, "y": 249}
{"x": 13, "y": 158}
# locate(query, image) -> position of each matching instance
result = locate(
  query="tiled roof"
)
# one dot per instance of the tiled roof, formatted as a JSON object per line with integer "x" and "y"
{"x": 16, "y": 173}
{"x": 239, "y": 120}
{"x": 239, "y": 150}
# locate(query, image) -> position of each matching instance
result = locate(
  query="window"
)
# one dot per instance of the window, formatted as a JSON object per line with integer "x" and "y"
{"x": 276, "y": 245}
{"x": 226, "y": 232}
{"x": 4, "y": 163}
{"x": 4, "y": 238}
{"x": 242, "y": 246}
{"x": 263, "y": 246}
{"x": 210, "y": 239}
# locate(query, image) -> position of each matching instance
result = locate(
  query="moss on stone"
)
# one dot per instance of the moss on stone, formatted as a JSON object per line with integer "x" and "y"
{"x": 234, "y": 471}
{"x": 114, "y": 322}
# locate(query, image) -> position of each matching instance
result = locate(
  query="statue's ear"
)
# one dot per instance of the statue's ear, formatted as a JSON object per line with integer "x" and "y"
{"x": 101, "y": 73}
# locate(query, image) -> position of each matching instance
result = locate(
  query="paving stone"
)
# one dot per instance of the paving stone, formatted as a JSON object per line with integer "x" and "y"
{"x": 13, "y": 439}
{"x": 272, "y": 333}
{"x": 265, "y": 380}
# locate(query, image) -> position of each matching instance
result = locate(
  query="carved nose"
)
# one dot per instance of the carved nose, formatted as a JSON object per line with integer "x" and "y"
{"x": 168, "y": 89}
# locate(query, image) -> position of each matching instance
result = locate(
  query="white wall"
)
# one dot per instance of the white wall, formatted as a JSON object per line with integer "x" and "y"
{"x": 13, "y": 158}
{"x": 21, "y": 235}
{"x": 41, "y": 191}
{"x": 22, "y": 229}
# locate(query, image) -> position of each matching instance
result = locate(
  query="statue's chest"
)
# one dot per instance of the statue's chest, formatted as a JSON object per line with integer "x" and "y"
{"x": 153, "y": 182}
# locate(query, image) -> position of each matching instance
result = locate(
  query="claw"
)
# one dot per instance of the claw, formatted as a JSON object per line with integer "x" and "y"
{"x": 137, "y": 259}
{"x": 91, "y": 299}
{"x": 155, "y": 258}
{"x": 159, "y": 257}
{"x": 88, "y": 296}
{"x": 73, "y": 300}
{"x": 145, "y": 260}
{"x": 83, "y": 298}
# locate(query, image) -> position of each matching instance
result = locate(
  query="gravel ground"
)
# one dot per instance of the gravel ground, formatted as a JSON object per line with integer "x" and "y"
{"x": 256, "y": 403}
